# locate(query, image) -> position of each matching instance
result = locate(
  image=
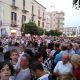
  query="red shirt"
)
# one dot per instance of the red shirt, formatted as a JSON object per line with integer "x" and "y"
{"x": 76, "y": 73}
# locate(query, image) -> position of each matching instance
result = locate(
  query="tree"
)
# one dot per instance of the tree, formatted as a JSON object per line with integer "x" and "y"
{"x": 47, "y": 33}
{"x": 40, "y": 31}
{"x": 30, "y": 28}
{"x": 53, "y": 33}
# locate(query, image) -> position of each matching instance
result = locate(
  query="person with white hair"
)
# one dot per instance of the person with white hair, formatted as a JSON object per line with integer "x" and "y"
{"x": 63, "y": 69}
{"x": 75, "y": 60}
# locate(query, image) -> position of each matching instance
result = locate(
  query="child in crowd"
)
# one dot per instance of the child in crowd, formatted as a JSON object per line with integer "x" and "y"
{"x": 14, "y": 58}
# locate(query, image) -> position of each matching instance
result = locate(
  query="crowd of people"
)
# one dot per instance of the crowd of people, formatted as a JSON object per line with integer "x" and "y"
{"x": 40, "y": 58}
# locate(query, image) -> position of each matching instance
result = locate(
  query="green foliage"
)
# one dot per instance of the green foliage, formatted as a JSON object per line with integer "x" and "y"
{"x": 32, "y": 29}
{"x": 40, "y": 31}
{"x": 53, "y": 33}
{"x": 47, "y": 33}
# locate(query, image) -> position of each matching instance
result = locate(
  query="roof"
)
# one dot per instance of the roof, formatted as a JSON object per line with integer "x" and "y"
{"x": 39, "y": 4}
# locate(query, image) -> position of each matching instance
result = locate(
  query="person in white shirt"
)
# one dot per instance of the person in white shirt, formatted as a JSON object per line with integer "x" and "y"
{"x": 63, "y": 68}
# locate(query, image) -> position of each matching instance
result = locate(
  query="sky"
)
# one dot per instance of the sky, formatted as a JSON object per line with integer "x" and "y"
{"x": 72, "y": 16}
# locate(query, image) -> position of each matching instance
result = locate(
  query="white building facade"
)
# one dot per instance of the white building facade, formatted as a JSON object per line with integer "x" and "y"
{"x": 57, "y": 20}
{"x": 14, "y": 13}
{"x": 78, "y": 31}
{"x": 48, "y": 22}
{"x": 70, "y": 31}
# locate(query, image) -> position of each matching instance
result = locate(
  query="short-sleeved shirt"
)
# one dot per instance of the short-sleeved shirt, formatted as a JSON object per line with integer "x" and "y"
{"x": 63, "y": 68}
{"x": 24, "y": 74}
{"x": 44, "y": 77}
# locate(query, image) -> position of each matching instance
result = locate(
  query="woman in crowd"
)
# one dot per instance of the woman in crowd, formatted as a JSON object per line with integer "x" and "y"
{"x": 14, "y": 61}
{"x": 6, "y": 70}
{"x": 14, "y": 58}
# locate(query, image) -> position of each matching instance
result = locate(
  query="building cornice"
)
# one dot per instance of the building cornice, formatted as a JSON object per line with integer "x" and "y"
{"x": 40, "y": 4}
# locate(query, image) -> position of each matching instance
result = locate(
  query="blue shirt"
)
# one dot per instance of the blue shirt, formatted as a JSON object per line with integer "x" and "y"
{"x": 77, "y": 51}
{"x": 71, "y": 52}
{"x": 59, "y": 56}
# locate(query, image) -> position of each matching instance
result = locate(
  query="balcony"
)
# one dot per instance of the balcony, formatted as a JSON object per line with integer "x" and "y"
{"x": 14, "y": 23}
{"x": 59, "y": 18}
{"x": 34, "y": 15}
{"x": 60, "y": 23}
{"x": 39, "y": 17}
{"x": 25, "y": 11}
{"x": 14, "y": 7}
{"x": 44, "y": 19}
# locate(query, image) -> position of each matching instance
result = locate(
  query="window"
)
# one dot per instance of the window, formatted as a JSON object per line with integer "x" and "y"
{"x": 23, "y": 4}
{"x": 32, "y": 9}
{"x": 23, "y": 19}
{"x": 13, "y": 19}
{"x": 13, "y": 16}
{"x": 43, "y": 15}
{"x": 38, "y": 23}
{"x": 43, "y": 24}
{"x": 13, "y": 2}
{"x": 39, "y": 12}
{"x": 32, "y": 13}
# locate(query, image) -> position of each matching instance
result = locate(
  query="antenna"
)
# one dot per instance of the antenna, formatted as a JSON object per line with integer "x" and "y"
{"x": 53, "y": 6}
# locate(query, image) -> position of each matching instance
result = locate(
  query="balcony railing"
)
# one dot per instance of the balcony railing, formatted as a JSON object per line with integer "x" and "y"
{"x": 34, "y": 15}
{"x": 60, "y": 23}
{"x": 44, "y": 19}
{"x": 14, "y": 23}
{"x": 25, "y": 11}
{"x": 60, "y": 18}
{"x": 39, "y": 17}
{"x": 14, "y": 7}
